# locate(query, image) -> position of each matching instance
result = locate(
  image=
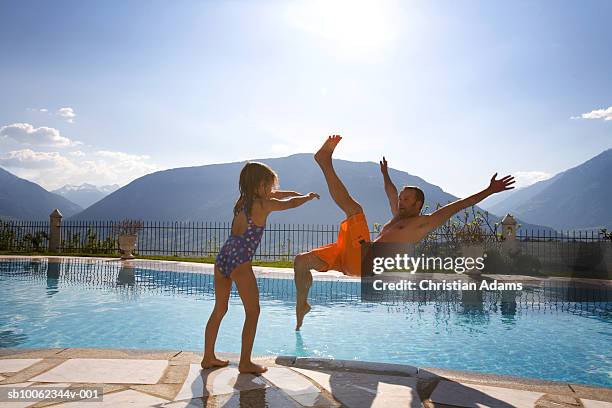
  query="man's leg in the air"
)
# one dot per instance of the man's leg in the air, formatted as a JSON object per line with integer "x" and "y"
{"x": 305, "y": 263}
{"x": 338, "y": 191}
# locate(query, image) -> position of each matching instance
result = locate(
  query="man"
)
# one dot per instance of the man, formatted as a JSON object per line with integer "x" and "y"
{"x": 408, "y": 225}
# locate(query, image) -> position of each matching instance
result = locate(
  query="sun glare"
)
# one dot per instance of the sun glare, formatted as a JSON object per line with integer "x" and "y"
{"x": 347, "y": 26}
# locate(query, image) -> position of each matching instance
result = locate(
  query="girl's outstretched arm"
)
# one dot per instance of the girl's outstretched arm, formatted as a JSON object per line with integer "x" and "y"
{"x": 274, "y": 204}
{"x": 284, "y": 194}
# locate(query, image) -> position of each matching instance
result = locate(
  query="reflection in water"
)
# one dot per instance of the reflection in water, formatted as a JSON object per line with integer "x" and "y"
{"x": 300, "y": 350}
{"x": 568, "y": 296}
{"x": 126, "y": 276}
{"x": 53, "y": 274}
{"x": 508, "y": 306}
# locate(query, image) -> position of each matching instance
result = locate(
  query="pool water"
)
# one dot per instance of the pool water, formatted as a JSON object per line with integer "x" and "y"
{"x": 104, "y": 305}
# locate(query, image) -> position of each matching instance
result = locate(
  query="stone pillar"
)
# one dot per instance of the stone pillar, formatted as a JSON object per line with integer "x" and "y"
{"x": 509, "y": 229}
{"x": 55, "y": 224}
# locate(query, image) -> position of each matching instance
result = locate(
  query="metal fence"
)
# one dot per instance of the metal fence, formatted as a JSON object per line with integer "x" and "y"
{"x": 165, "y": 238}
{"x": 574, "y": 249}
{"x": 24, "y": 236}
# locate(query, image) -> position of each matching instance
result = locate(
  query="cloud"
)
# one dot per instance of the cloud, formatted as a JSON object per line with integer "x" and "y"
{"x": 28, "y": 134}
{"x": 29, "y": 159}
{"x": 53, "y": 169}
{"x": 67, "y": 113}
{"x": 527, "y": 178}
{"x": 605, "y": 114}
{"x": 121, "y": 156}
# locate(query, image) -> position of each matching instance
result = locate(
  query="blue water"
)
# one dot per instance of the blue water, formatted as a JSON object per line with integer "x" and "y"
{"x": 101, "y": 305}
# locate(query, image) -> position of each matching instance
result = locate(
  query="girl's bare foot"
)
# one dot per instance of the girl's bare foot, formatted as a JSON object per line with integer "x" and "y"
{"x": 213, "y": 362}
{"x": 251, "y": 368}
{"x": 324, "y": 155}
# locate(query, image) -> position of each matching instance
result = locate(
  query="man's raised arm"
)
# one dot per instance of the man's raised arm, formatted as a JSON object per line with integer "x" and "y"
{"x": 443, "y": 214}
{"x": 390, "y": 188}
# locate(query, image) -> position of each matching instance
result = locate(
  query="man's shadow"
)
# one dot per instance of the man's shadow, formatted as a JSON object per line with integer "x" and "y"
{"x": 359, "y": 387}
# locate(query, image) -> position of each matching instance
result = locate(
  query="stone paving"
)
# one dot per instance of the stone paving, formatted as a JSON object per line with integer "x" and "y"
{"x": 167, "y": 378}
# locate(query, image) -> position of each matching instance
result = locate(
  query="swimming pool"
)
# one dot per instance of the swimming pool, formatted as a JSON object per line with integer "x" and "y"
{"x": 100, "y": 304}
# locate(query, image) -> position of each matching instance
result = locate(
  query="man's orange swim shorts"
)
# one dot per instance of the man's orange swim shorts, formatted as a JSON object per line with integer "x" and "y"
{"x": 344, "y": 255}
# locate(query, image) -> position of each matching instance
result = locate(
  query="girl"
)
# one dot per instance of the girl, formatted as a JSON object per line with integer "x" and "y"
{"x": 257, "y": 200}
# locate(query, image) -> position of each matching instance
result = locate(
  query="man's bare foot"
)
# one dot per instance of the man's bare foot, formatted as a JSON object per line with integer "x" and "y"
{"x": 324, "y": 155}
{"x": 300, "y": 311}
{"x": 251, "y": 368}
{"x": 213, "y": 362}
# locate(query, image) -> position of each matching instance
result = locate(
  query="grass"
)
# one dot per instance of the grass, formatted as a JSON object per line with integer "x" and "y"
{"x": 206, "y": 259}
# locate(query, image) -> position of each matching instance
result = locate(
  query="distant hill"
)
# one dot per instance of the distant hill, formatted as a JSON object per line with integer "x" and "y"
{"x": 22, "y": 199}
{"x": 85, "y": 194}
{"x": 207, "y": 193}
{"x": 578, "y": 198}
{"x": 505, "y": 203}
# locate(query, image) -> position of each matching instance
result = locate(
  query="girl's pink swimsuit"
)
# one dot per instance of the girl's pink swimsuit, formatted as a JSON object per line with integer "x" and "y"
{"x": 239, "y": 249}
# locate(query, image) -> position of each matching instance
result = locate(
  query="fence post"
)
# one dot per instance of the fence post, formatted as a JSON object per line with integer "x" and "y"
{"x": 55, "y": 224}
{"x": 509, "y": 227}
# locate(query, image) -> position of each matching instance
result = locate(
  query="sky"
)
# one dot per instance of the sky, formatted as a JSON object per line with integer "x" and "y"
{"x": 105, "y": 92}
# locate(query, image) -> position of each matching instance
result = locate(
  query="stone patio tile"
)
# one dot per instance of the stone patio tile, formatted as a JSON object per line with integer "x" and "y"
{"x": 227, "y": 380}
{"x": 166, "y": 391}
{"x": 28, "y": 353}
{"x": 319, "y": 377}
{"x": 115, "y": 371}
{"x": 23, "y": 404}
{"x": 595, "y": 404}
{"x": 35, "y": 369}
{"x": 496, "y": 380}
{"x": 12, "y": 365}
{"x": 119, "y": 399}
{"x": 190, "y": 357}
{"x": 175, "y": 374}
{"x": 315, "y": 400}
{"x": 21, "y": 384}
{"x": 106, "y": 389}
{"x": 593, "y": 393}
{"x": 116, "y": 353}
{"x": 558, "y": 401}
{"x": 289, "y": 381}
{"x": 265, "y": 397}
{"x": 480, "y": 396}
{"x": 367, "y": 390}
{"x": 189, "y": 403}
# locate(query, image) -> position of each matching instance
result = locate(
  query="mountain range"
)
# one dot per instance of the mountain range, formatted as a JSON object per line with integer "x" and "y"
{"x": 207, "y": 193}
{"x": 21, "y": 199}
{"x": 578, "y": 198}
{"x": 85, "y": 194}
